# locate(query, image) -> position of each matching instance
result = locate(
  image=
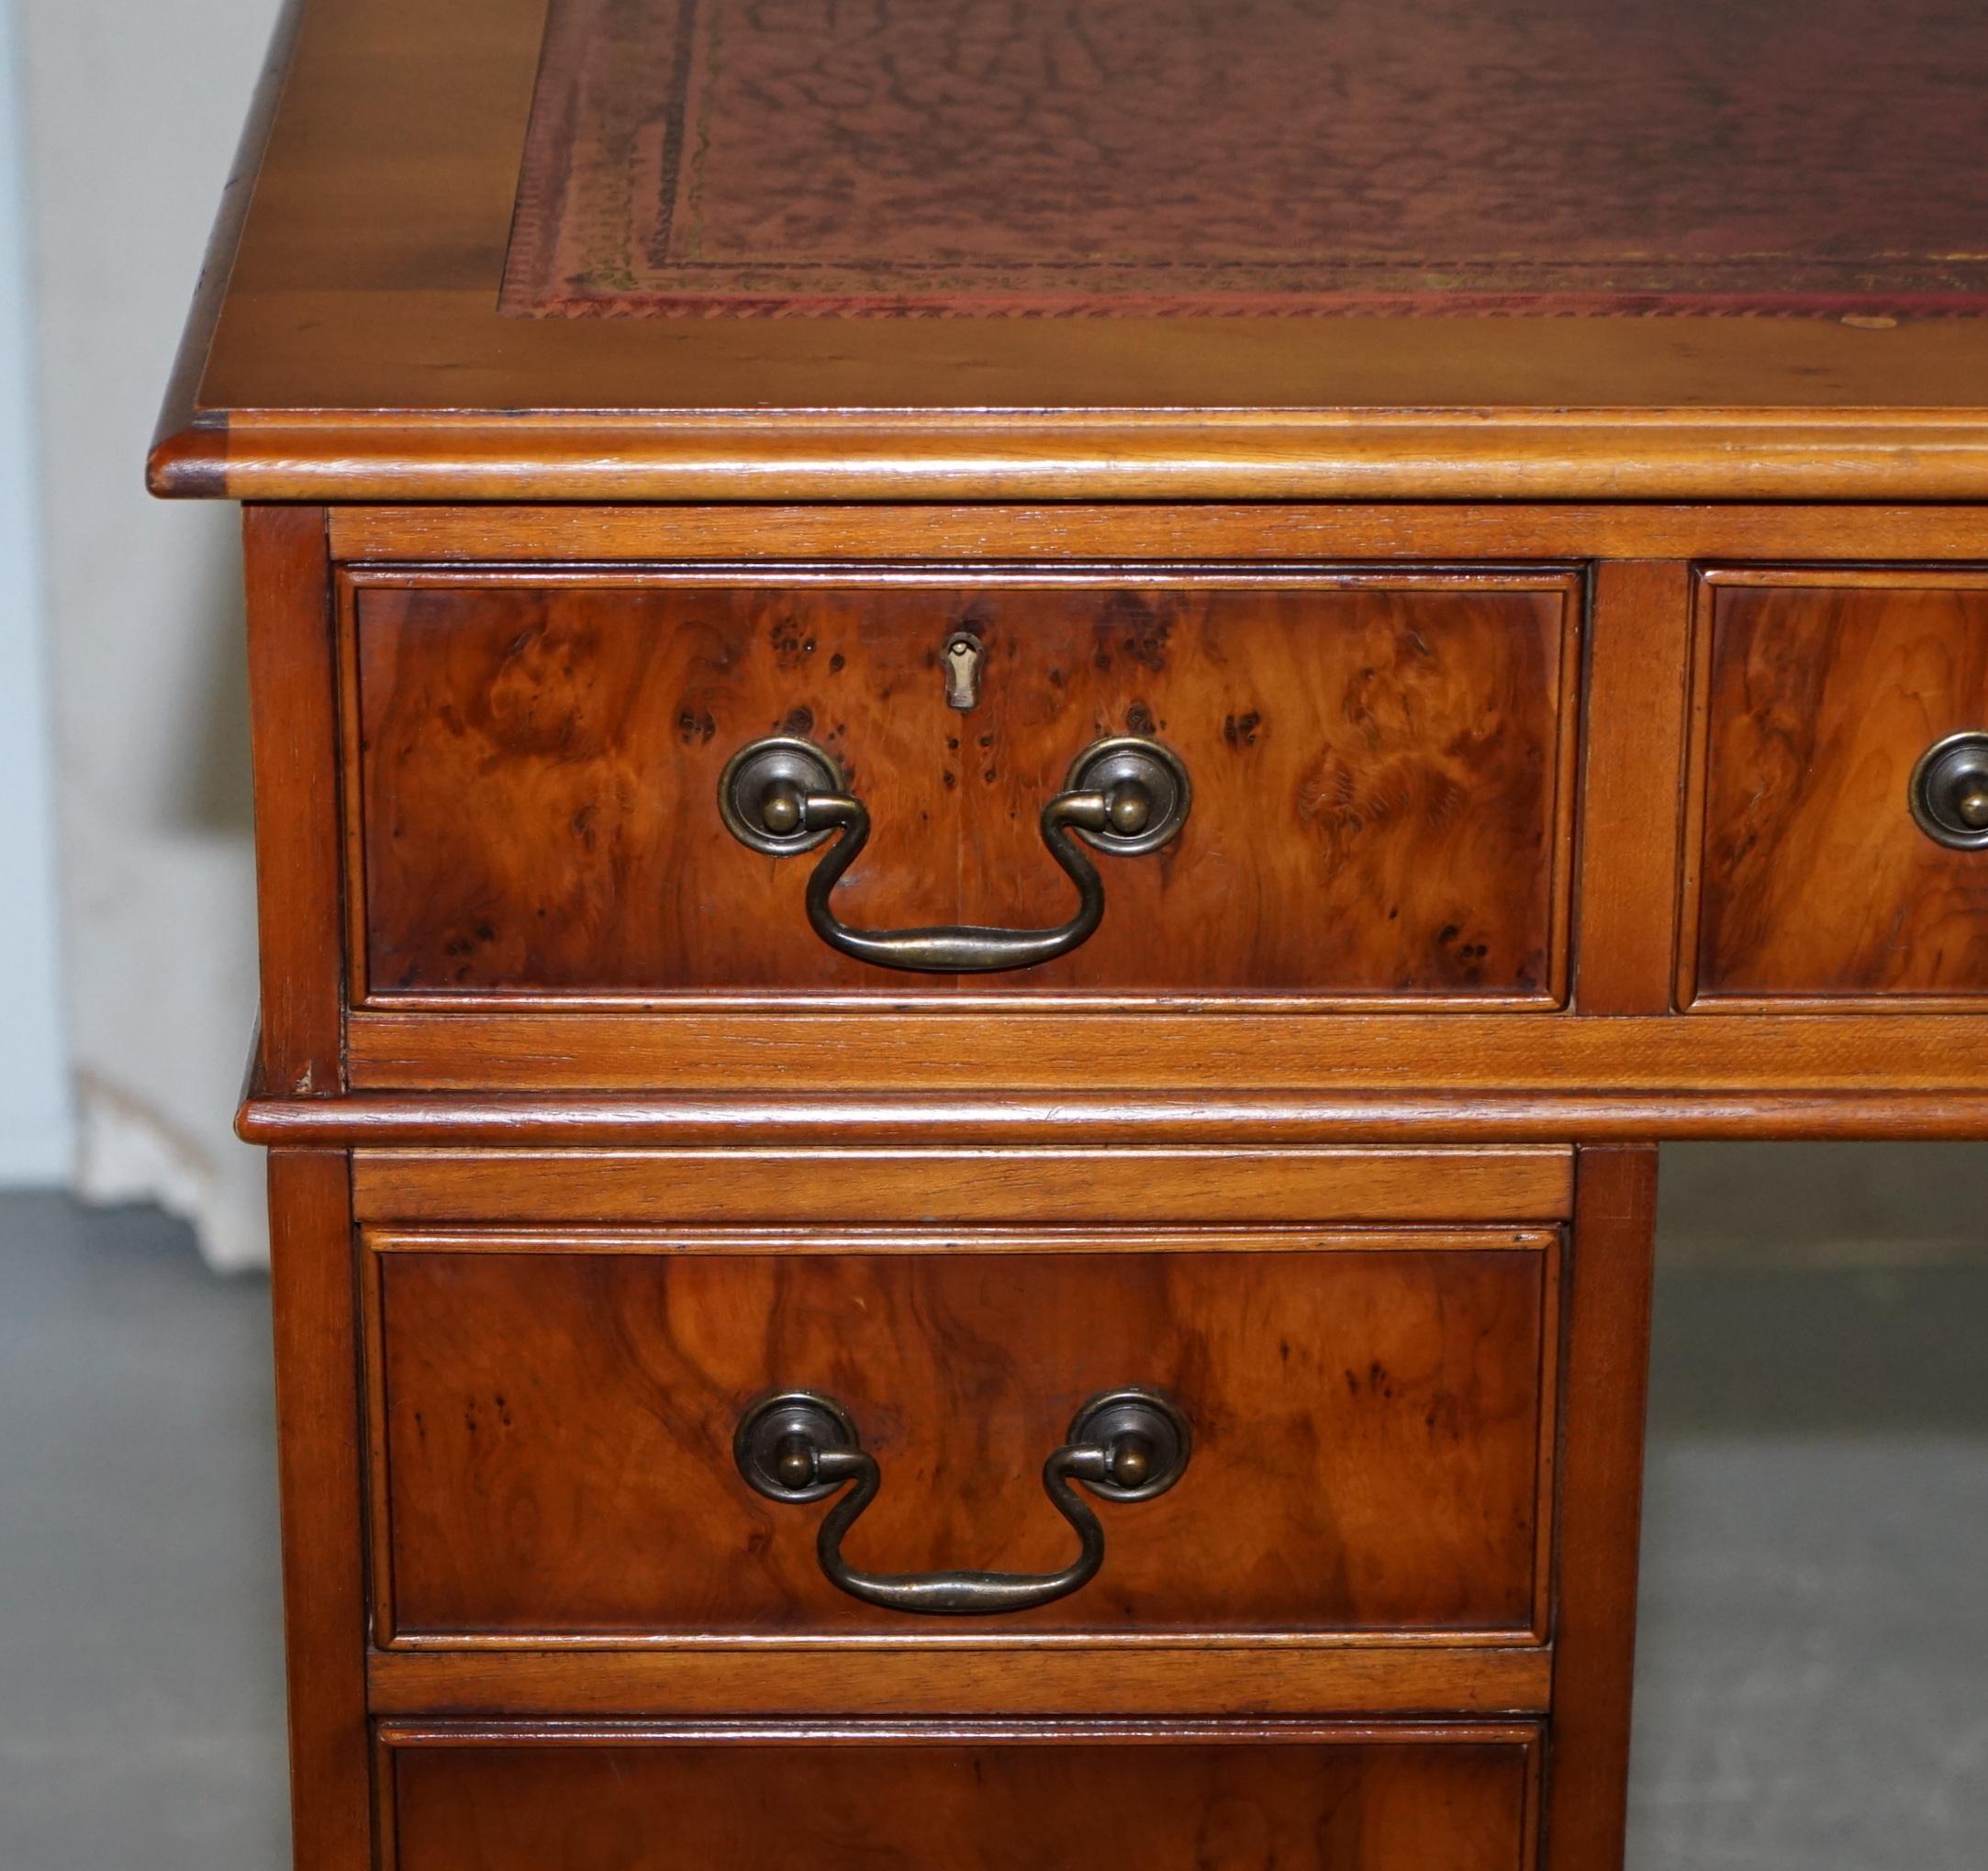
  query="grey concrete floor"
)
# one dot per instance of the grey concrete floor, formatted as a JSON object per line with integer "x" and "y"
{"x": 142, "y": 1717}
{"x": 1812, "y": 1683}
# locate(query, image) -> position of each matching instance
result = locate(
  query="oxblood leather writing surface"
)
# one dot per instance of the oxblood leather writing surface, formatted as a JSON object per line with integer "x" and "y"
{"x": 1141, "y": 157}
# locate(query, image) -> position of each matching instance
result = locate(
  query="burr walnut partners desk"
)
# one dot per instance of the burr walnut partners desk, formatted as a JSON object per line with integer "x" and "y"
{"x": 1008, "y": 759}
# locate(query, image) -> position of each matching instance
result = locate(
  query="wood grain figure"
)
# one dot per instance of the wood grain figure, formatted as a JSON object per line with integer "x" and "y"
{"x": 1820, "y": 697}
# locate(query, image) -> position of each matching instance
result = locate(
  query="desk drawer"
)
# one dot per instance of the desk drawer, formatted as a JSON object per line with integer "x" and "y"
{"x": 1821, "y": 692}
{"x": 1374, "y": 772}
{"x": 1362, "y": 1417}
{"x": 964, "y": 1796}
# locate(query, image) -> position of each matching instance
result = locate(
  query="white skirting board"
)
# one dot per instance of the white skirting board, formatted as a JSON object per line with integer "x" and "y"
{"x": 128, "y": 1153}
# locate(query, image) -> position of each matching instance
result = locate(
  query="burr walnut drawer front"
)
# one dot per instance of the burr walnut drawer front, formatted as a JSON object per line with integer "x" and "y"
{"x": 627, "y": 1435}
{"x": 631, "y": 783}
{"x": 963, "y": 1797}
{"x": 1843, "y": 787}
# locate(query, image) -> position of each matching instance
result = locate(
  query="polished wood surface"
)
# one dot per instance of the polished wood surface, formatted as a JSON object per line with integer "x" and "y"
{"x": 1381, "y": 778}
{"x": 294, "y": 739}
{"x": 1629, "y": 869}
{"x": 1068, "y": 1799}
{"x": 555, "y": 1430}
{"x": 359, "y": 352}
{"x": 321, "y": 1465}
{"x": 386, "y": 1120}
{"x": 937, "y": 1675}
{"x": 964, "y": 1183}
{"x": 1819, "y": 694}
{"x": 1140, "y": 533}
{"x": 1682, "y": 1062}
{"x": 1845, "y": 452}
{"x": 1605, "y": 1401}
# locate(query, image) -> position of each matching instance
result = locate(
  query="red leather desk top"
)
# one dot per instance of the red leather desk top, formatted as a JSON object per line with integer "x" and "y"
{"x": 1046, "y": 158}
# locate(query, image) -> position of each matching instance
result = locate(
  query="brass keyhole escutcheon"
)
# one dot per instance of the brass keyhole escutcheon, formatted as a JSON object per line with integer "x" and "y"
{"x": 962, "y": 656}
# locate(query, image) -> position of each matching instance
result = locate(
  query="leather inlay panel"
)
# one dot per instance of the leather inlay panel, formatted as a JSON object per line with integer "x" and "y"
{"x": 1152, "y": 156}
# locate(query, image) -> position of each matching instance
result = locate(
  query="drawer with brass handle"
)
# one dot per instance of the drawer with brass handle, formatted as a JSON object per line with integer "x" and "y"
{"x": 1840, "y": 847}
{"x": 578, "y": 783}
{"x": 636, "y": 1434}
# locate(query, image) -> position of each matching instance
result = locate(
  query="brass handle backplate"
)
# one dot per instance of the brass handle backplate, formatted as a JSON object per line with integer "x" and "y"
{"x": 1124, "y": 795}
{"x": 799, "y": 1446}
{"x": 1950, "y": 792}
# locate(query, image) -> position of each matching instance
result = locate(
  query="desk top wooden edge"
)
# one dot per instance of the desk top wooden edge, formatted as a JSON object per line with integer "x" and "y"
{"x": 347, "y": 345}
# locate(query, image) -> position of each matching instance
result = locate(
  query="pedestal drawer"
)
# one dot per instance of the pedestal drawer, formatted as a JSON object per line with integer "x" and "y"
{"x": 1361, "y": 788}
{"x": 962, "y": 1796}
{"x": 1344, "y": 1430}
{"x": 1844, "y": 788}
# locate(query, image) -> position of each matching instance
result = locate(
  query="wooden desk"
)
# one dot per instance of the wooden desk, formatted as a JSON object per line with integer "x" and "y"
{"x": 1383, "y": 608}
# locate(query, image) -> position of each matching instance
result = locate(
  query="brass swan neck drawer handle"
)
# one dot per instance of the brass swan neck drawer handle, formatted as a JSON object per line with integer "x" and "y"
{"x": 799, "y": 1446}
{"x": 1950, "y": 792}
{"x": 1124, "y": 796}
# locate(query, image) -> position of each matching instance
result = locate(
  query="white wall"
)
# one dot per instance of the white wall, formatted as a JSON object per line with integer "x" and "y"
{"x": 133, "y": 112}
{"x": 35, "y": 1129}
